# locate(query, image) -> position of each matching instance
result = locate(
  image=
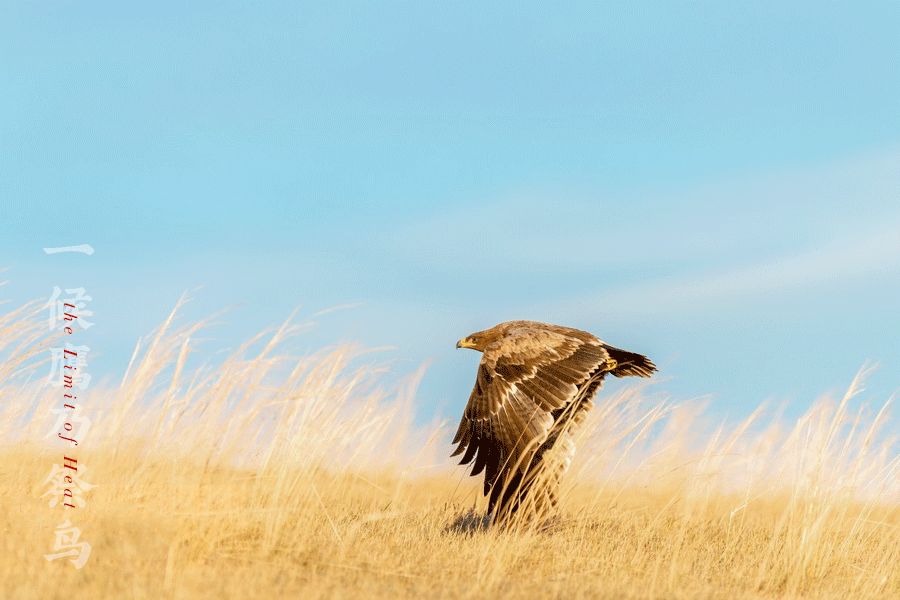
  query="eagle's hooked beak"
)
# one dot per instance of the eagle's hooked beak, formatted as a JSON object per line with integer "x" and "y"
{"x": 465, "y": 343}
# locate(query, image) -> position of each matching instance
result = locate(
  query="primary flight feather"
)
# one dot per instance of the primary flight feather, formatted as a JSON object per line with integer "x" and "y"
{"x": 535, "y": 381}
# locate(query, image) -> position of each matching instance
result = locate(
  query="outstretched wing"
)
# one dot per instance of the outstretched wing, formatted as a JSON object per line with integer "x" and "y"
{"x": 523, "y": 380}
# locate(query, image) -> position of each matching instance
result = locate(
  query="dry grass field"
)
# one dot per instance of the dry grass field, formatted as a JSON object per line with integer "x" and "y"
{"x": 270, "y": 475}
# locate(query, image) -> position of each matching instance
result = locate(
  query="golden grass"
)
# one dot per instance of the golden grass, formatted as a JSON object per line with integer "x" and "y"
{"x": 272, "y": 476}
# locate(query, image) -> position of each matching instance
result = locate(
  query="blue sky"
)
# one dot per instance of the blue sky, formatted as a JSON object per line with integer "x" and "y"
{"x": 712, "y": 184}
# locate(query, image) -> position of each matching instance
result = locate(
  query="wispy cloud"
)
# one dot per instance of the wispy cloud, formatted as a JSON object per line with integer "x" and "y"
{"x": 704, "y": 226}
{"x": 875, "y": 253}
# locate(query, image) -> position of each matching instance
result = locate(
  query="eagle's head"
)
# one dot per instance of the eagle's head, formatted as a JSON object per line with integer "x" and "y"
{"x": 482, "y": 339}
{"x": 474, "y": 341}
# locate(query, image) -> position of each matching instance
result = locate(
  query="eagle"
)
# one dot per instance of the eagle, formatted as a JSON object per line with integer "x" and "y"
{"x": 534, "y": 384}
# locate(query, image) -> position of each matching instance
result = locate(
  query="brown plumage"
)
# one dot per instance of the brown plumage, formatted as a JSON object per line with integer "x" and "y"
{"x": 534, "y": 383}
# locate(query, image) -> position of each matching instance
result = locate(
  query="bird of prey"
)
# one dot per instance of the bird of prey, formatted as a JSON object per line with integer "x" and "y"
{"x": 534, "y": 383}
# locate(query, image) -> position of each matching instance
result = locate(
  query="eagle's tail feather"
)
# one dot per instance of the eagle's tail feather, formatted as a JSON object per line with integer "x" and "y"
{"x": 630, "y": 363}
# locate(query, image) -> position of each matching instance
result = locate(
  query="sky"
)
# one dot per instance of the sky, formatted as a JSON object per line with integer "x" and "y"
{"x": 716, "y": 185}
